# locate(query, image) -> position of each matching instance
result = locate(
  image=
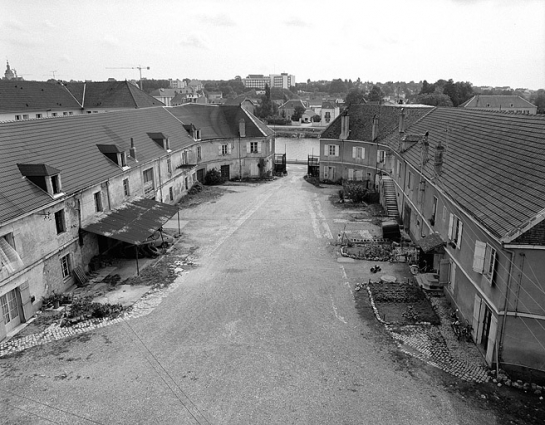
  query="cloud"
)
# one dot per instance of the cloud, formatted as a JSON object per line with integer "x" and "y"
{"x": 110, "y": 41}
{"x": 217, "y": 20}
{"x": 193, "y": 40}
{"x": 296, "y": 22}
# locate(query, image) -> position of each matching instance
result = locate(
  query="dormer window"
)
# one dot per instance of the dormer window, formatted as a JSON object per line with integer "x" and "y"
{"x": 161, "y": 139}
{"x": 44, "y": 176}
{"x": 115, "y": 154}
{"x": 193, "y": 131}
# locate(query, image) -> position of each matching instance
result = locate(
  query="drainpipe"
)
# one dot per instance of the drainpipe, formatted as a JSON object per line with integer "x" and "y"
{"x": 501, "y": 331}
{"x": 160, "y": 179}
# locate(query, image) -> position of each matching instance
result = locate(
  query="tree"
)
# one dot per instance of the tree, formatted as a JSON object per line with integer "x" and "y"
{"x": 267, "y": 108}
{"x": 355, "y": 97}
{"x": 298, "y": 112}
{"x": 337, "y": 86}
{"x": 434, "y": 99}
{"x": 375, "y": 95}
{"x": 538, "y": 99}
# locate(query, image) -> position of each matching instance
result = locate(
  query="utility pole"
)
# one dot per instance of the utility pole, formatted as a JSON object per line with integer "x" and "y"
{"x": 139, "y": 67}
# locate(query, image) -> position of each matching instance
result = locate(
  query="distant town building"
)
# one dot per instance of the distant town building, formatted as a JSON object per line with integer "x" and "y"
{"x": 283, "y": 80}
{"x": 11, "y": 74}
{"x": 176, "y": 84}
{"x": 504, "y": 103}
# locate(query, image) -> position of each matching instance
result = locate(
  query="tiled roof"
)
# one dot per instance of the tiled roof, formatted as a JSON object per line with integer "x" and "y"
{"x": 497, "y": 101}
{"x": 219, "y": 121}
{"x": 166, "y": 92}
{"x": 111, "y": 94}
{"x": 21, "y": 96}
{"x": 361, "y": 120}
{"x": 292, "y": 104}
{"x": 70, "y": 145}
{"x": 494, "y": 163}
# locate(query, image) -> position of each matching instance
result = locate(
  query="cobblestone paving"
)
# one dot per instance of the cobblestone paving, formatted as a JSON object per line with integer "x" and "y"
{"x": 437, "y": 345}
{"x": 55, "y": 332}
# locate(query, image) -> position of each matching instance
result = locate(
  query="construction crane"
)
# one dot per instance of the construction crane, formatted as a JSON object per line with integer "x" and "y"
{"x": 140, "y": 68}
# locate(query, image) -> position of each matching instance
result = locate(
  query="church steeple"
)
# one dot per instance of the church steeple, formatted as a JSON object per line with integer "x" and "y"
{"x": 9, "y": 74}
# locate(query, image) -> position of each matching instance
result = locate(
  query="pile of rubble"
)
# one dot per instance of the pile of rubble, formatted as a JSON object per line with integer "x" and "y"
{"x": 500, "y": 378}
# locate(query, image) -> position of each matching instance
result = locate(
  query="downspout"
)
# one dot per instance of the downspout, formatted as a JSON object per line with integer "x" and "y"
{"x": 501, "y": 331}
{"x": 160, "y": 179}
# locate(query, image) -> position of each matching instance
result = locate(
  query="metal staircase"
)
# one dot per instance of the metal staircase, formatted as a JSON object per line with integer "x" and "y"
{"x": 390, "y": 198}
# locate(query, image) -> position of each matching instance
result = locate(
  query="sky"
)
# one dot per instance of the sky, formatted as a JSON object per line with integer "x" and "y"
{"x": 485, "y": 42}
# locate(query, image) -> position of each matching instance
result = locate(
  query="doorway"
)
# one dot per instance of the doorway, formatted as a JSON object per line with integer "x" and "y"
{"x": 10, "y": 310}
{"x": 225, "y": 174}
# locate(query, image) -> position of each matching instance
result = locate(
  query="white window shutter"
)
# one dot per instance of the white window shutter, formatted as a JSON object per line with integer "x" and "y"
{"x": 247, "y": 147}
{"x": 490, "y": 263}
{"x": 354, "y": 152}
{"x": 229, "y": 149}
{"x": 478, "y": 256}
{"x": 336, "y": 150}
{"x": 450, "y": 222}
{"x": 258, "y": 147}
{"x": 362, "y": 153}
{"x": 477, "y": 331}
{"x": 491, "y": 339}
{"x": 326, "y": 150}
{"x": 350, "y": 174}
{"x": 444, "y": 272}
{"x": 459, "y": 240}
{"x": 220, "y": 149}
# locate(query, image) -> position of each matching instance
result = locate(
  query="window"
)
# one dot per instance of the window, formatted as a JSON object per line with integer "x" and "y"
{"x": 398, "y": 168}
{"x": 169, "y": 166}
{"x": 55, "y": 184}
{"x": 332, "y": 150}
{"x": 327, "y": 117}
{"x": 484, "y": 260}
{"x": 409, "y": 180}
{"x": 444, "y": 214}
{"x": 10, "y": 310}
{"x": 199, "y": 153}
{"x": 59, "y": 221}
{"x": 25, "y": 117}
{"x": 98, "y": 201}
{"x": 184, "y": 158}
{"x": 381, "y": 156}
{"x": 54, "y": 114}
{"x": 433, "y": 211}
{"x": 38, "y": 115}
{"x": 149, "y": 187}
{"x": 65, "y": 113}
{"x": 253, "y": 147}
{"x": 126, "y": 187}
{"x": 123, "y": 159}
{"x": 171, "y": 193}
{"x": 186, "y": 184}
{"x": 65, "y": 266}
{"x": 358, "y": 153}
{"x": 455, "y": 231}
{"x": 70, "y": 113}
{"x": 17, "y": 117}
{"x": 225, "y": 149}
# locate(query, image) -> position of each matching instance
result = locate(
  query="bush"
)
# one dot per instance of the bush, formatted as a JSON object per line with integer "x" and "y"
{"x": 196, "y": 188}
{"x": 356, "y": 191}
{"x": 213, "y": 177}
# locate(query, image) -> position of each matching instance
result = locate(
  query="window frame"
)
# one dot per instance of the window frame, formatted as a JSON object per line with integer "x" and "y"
{"x": 66, "y": 266}
{"x": 98, "y": 201}
{"x": 126, "y": 187}
{"x": 60, "y": 221}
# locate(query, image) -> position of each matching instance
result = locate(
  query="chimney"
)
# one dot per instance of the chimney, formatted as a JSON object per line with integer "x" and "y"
{"x": 425, "y": 149}
{"x": 401, "y": 129}
{"x": 242, "y": 128}
{"x": 374, "y": 130}
{"x": 344, "y": 126}
{"x": 132, "y": 150}
{"x": 438, "y": 163}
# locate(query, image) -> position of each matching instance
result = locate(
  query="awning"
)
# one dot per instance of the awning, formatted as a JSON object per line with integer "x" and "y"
{"x": 135, "y": 222}
{"x": 430, "y": 242}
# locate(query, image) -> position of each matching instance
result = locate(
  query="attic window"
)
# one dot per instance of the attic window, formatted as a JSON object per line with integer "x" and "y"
{"x": 44, "y": 176}
{"x": 161, "y": 139}
{"x": 193, "y": 131}
{"x": 114, "y": 153}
